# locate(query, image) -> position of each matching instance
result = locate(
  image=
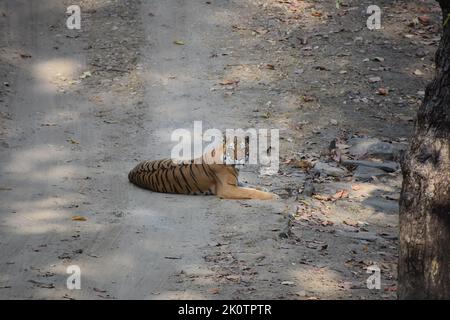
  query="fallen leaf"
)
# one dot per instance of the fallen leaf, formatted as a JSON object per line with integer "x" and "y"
{"x": 327, "y": 223}
{"x": 78, "y": 218}
{"x": 340, "y": 195}
{"x": 383, "y": 91}
{"x": 73, "y": 141}
{"x": 303, "y": 164}
{"x": 86, "y": 74}
{"x": 351, "y": 223}
{"x": 179, "y": 42}
{"x": 425, "y": 20}
{"x": 228, "y": 82}
{"x": 308, "y": 98}
{"x": 25, "y": 55}
{"x": 391, "y": 288}
{"x": 316, "y": 14}
{"x": 42, "y": 284}
{"x": 321, "y": 197}
{"x": 394, "y": 197}
{"x": 214, "y": 290}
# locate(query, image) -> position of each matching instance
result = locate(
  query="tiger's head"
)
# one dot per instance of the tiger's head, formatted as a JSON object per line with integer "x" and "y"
{"x": 233, "y": 153}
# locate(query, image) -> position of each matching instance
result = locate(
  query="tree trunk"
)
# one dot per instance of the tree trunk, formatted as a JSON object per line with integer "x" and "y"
{"x": 424, "y": 261}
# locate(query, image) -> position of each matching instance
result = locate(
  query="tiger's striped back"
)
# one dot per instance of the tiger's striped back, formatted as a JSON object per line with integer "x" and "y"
{"x": 170, "y": 177}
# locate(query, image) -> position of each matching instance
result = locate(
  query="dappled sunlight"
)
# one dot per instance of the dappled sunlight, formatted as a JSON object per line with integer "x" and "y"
{"x": 168, "y": 77}
{"x": 39, "y": 163}
{"x": 61, "y": 117}
{"x": 321, "y": 281}
{"x": 55, "y": 72}
{"x": 46, "y": 203}
{"x": 31, "y": 227}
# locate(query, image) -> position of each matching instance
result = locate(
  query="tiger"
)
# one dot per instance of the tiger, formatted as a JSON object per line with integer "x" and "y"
{"x": 200, "y": 176}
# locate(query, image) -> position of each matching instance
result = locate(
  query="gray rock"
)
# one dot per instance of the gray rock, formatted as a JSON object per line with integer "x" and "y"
{"x": 374, "y": 148}
{"x": 382, "y": 205}
{"x": 367, "y": 236}
{"x": 329, "y": 170}
{"x": 308, "y": 188}
{"x": 388, "y": 166}
{"x": 364, "y": 173}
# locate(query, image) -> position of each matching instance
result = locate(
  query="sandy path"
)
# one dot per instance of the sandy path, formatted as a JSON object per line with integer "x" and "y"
{"x": 67, "y": 143}
{"x": 61, "y": 161}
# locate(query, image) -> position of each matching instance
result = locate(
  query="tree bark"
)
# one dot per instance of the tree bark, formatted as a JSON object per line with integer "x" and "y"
{"x": 424, "y": 260}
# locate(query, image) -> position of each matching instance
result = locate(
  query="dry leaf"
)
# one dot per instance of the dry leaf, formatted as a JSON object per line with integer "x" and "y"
{"x": 73, "y": 141}
{"x": 228, "y": 82}
{"x": 25, "y": 55}
{"x": 214, "y": 290}
{"x": 383, "y": 91}
{"x": 340, "y": 194}
{"x": 303, "y": 164}
{"x": 327, "y": 223}
{"x": 425, "y": 20}
{"x": 86, "y": 74}
{"x": 308, "y": 98}
{"x": 321, "y": 197}
{"x": 78, "y": 218}
{"x": 351, "y": 223}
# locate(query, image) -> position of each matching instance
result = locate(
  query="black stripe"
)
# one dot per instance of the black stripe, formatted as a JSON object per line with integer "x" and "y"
{"x": 166, "y": 187}
{"x": 176, "y": 179}
{"x": 153, "y": 182}
{"x": 161, "y": 187}
{"x": 188, "y": 186}
{"x": 169, "y": 181}
{"x": 193, "y": 177}
{"x": 206, "y": 172}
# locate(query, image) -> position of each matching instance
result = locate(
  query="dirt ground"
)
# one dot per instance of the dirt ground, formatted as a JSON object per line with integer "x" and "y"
{"x": 79, "y": 108}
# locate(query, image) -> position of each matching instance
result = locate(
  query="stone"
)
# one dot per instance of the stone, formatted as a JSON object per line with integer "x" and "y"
{"x": 388, "y": 166}
{"x": 382, "y": 205}
{"x": 329, "y": 170}
{"x": 374, "y": 148}
{"x": 364, "y": 173}
{"x": 374, "y": 79}
{"x": 308, "y": 189}
{"x": 366, "y": 236}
